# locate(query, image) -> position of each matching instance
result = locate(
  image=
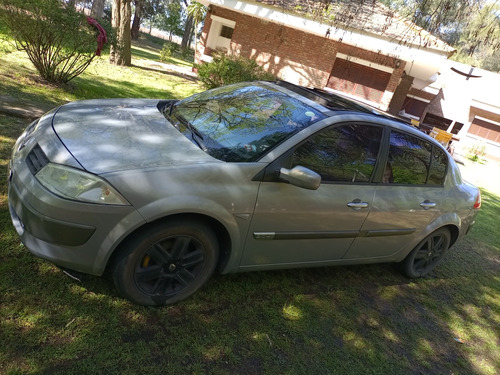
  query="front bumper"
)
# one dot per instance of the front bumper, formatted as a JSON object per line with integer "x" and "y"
{"x": 75, "y": 235}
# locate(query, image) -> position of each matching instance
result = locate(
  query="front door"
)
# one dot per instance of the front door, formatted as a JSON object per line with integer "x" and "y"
{"x": 292, "y": 226}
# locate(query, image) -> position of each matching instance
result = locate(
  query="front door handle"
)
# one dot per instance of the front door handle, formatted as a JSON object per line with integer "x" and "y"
{"x": 357, "y": 204}
{"x": 427, "y": 204}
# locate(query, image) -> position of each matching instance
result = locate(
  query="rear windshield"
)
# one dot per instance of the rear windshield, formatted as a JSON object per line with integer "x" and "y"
{"x": 244, "y": 121}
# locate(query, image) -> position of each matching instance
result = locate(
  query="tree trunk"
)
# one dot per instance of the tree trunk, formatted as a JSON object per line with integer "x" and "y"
{"x": 97, "y": 10}
{"x": 121, "y": 54}
{"x": 188, "y": 33}
{"x": 136, "y": 24}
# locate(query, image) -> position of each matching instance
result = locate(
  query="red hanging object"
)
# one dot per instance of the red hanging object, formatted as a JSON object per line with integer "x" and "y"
{"x": 101, "y": 38}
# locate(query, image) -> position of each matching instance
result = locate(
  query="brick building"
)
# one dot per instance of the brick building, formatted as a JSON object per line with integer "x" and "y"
{"x": 360, "y": 48}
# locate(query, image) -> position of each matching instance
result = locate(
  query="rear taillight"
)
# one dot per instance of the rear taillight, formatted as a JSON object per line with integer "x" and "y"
{"x": 478, "y": 200}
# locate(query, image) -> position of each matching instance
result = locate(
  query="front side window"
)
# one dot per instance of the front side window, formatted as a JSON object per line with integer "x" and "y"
{"x": 242, "y": 122}
{"x": 344, "y": 153}
{"x": 414, "y": 161}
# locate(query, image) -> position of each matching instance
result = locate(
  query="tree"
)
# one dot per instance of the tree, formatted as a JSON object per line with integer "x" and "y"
{"x": 480, "y": 38}
{"x": 39, "y": 27}
{"x": 97, "y": 10}
{"x": 154, "y": 10}
{"x": 121, "y": 50}
{"x": 136, "y": 24}
{"x": 188, "y": 30}
{"x": 187, "y": 36}
{"x": 471, "y": 26}
{"x": 171, "y": 19}
{"x": 197, "y": 12}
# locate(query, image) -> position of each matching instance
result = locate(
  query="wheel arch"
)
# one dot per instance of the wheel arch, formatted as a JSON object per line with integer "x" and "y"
{"x": 454, "y": 232}
{"x": 221, "y": 232}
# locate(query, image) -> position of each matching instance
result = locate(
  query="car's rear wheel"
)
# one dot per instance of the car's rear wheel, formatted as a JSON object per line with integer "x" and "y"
{"x": 427, "y": 254}
{"x": 165, "y": 263}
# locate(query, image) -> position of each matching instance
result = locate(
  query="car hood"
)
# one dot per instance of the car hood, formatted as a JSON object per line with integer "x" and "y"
{"x": 119, "y": 134}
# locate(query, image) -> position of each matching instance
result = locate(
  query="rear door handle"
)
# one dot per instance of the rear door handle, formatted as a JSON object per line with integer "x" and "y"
{"x": 357, "y": 204}
{"x": 427, "y": 204}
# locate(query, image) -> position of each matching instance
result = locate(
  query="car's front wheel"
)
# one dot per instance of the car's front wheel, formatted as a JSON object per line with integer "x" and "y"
{"x": 165, "y": 263}
{"x": 427, "y": 254}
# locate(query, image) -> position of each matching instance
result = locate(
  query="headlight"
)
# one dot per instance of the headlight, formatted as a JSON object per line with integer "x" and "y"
{"x": 78, "y": 185}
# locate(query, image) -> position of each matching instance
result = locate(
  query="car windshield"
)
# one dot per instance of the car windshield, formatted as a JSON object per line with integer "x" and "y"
{"x": 242, "y": 122}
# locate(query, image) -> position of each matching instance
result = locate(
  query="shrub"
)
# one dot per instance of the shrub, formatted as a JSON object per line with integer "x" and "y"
{"x": 59, "y": 41}
{"x": 187, "y": 53}
{"x": 224, "y": 69}
{"x": 476, "y": 151}
{"x": 168, "y": 50}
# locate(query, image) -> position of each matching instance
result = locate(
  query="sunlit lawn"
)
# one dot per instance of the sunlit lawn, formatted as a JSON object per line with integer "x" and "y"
{"x": 100, "y": 80}
{"x": 339, "y": 320}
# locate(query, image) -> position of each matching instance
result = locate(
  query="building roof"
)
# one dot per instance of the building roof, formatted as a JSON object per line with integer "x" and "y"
{"x": 369, "y": 16}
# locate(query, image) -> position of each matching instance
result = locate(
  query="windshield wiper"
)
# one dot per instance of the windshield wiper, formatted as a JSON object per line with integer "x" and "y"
{"x": 166, "y": 106}
{"x": 195, "y": 133}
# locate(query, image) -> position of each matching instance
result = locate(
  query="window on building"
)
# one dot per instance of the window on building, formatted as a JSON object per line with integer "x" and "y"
{"x": 226, "y": 32}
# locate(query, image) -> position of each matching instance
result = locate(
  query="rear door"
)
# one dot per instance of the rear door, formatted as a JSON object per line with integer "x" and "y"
{"x": 294, "y": 226}
{"x": 407, "y": 199}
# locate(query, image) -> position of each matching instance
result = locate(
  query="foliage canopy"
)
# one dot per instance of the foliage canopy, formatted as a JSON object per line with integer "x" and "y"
{"x": 471, "y": 26}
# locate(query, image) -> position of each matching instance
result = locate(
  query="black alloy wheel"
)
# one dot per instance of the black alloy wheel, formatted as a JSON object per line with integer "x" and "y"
{"x": 166, "y": 263}
{"x": 427, "y": 254}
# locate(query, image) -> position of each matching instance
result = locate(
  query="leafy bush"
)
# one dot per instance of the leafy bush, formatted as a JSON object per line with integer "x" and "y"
{"x": 168, "y": 50}
{"x": 187, "y": 54}
{"x": 476, "y": 151}
{"x": 224, "y": 69}
{"x": 59, "y": 41}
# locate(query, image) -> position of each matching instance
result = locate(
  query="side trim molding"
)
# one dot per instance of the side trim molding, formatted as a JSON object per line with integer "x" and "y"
{"x": 308, "y": 235}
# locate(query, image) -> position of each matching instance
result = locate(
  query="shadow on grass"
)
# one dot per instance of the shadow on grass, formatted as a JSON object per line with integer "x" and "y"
{"x": 160, "y": 70}
{"x": 146, "y": 53}
{"x": 359, "y": 319}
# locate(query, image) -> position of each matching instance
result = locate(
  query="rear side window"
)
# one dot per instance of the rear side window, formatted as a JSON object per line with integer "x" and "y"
{"x": 439, "y": 163}
{"x": 414, "y": 161}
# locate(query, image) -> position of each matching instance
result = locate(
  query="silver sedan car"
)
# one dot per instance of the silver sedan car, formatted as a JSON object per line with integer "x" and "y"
{"x": 246, "y": 177}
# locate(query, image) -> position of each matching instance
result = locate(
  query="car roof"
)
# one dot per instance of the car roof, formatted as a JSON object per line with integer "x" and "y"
{"x": 327, "y": 99}
{"x": 336, "y": 102}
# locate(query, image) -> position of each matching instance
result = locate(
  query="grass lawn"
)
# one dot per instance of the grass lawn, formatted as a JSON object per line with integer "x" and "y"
{"x": 338, "y": 320}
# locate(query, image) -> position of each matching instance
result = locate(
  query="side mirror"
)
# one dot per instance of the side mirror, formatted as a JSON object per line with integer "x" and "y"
{"x": 301, "y": 176}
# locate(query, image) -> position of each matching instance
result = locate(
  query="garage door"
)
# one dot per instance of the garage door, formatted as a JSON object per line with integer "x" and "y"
{"x": 358, "y": 80}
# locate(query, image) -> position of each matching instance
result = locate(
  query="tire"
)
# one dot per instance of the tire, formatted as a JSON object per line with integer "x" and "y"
{"x": 427, "y": 254}
{"x": 165, "y": 263}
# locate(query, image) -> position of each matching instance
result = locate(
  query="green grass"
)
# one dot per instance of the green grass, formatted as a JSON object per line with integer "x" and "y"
{"x": 100, "y": 80}
{"x": 339, "y": 320}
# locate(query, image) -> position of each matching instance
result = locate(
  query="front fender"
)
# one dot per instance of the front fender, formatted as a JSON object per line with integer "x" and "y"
{"x": 190, "y": 204}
